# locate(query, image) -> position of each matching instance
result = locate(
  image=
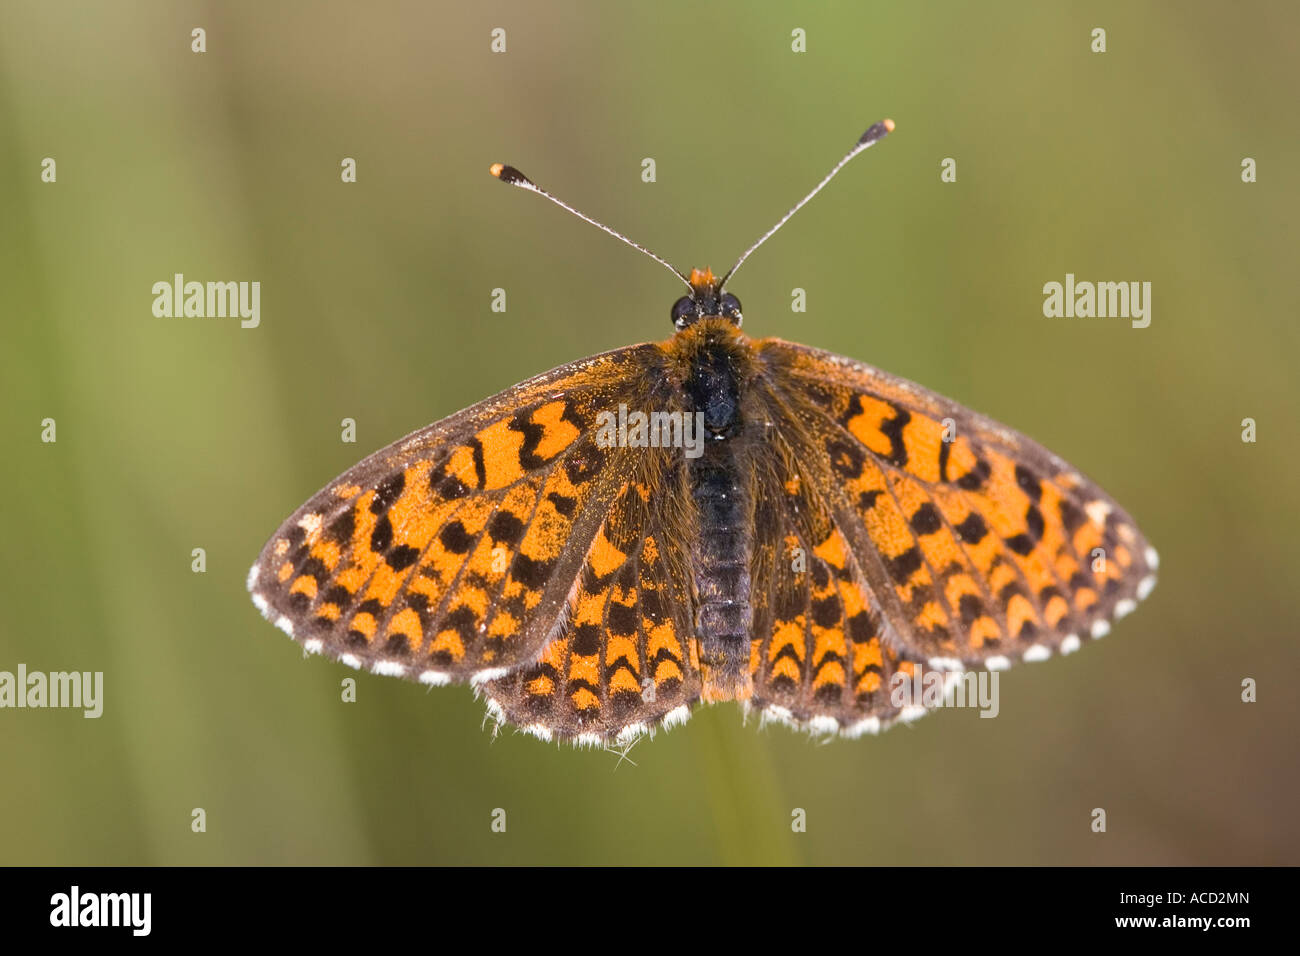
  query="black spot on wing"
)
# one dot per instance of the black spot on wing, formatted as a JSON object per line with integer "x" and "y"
{"x": 1072, "y": 516}
{"x": 970, "y": 607}
{"x": 402, "y": 557}
{"x": 974, "y": 479}
{"x": 926, "y": 520}
{"x": 455, "y": 538}
{"x": 563, "y": 505}
{"x": 623, "y": 619}
{"x": 1022, "y": 544}
{"x": 340, "y": 529}
{"x": 388, "y": 491}
{"x": 582, "y": 466}
{"x": 1034, "y": 521}
{"x": 972, "y": 529}
{"x": 339, "y": 595}
{"x": 827, "y": 611}
{"x": 480, "y": 467}
{"x": 893, "y": 430}
{"x": 1029, "y": 483}
{"x": 505, "y": 527}
{"x": 905, "y": 565}
{"x": 586, "y": 639}
{"x": 381, "y": 538}
{"x": 867, "y": 500}
{"x": 846, "y": 458}
{"x": 532, "y": 573}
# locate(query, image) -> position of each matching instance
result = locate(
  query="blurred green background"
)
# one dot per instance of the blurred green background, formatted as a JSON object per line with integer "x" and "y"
{"x": 182, "y": 433}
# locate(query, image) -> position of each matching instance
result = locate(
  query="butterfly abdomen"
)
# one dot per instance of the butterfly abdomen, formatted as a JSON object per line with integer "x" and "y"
{"x": 720, "y": 562}
{"x": 721, "y": 551}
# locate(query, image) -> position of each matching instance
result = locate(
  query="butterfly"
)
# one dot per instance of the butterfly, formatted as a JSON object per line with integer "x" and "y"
{"x": 708, "y": 518}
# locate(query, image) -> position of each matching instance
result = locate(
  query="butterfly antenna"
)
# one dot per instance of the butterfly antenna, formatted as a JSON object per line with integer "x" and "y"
{"x": 508, "y": 174}
{"x": 868, "y": 139}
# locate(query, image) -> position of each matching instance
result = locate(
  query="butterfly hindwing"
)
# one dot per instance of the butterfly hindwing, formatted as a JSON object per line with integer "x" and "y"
{"x": 979, "y": 546}
{"x": 624, "y": 660}
{"x": 451, "y": 554}
{"x": 820, "y": 660}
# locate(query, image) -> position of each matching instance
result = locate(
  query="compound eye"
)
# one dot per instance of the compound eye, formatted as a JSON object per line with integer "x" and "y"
{"x": 729, "y": 305}
{"x": 684, "y": 311}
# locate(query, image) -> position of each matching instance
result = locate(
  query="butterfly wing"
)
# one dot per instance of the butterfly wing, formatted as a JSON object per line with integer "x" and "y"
{"x": 820, "y": 657}
{"x": 977, "y": 546}
{"x": 451, "y": 554}
{"x": 625, "y": 660}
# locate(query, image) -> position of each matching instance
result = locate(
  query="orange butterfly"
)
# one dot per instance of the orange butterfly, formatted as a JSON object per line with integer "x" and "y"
{"x": 712, "y": 517}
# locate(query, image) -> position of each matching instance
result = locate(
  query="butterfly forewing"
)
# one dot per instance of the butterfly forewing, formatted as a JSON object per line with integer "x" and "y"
{"x": 450, "y": 555}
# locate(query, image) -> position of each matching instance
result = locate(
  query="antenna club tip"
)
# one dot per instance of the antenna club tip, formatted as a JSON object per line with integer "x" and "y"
{"x": 876, "y": 132}
{"x": 508, "y": 174}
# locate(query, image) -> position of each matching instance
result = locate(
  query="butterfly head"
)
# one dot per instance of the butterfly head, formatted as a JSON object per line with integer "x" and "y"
{"x": 706, "y": 301}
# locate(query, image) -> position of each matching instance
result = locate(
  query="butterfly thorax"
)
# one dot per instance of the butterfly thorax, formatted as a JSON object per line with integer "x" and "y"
{"x": 714, "y": 362}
